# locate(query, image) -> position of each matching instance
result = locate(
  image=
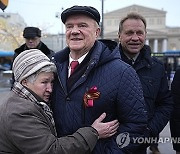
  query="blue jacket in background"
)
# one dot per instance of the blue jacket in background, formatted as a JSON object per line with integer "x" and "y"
{"x": 121, "y": 97}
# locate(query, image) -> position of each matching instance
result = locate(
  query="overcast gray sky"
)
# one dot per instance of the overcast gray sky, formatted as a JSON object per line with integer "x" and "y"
{"x": 42, "y": 13}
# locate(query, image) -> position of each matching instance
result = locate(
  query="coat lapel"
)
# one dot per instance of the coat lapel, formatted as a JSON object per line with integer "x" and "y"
{"x": 63, "y": 75}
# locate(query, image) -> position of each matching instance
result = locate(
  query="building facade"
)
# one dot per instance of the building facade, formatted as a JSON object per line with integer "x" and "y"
{"x": 159, "y": 36}
{"x": 55, "y": 42}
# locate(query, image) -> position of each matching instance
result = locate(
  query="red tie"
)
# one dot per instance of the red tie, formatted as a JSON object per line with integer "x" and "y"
{"x": 73, "y": 65}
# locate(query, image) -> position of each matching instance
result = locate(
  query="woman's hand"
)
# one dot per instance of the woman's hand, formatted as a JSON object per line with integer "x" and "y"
{"x": 105, "y": 129}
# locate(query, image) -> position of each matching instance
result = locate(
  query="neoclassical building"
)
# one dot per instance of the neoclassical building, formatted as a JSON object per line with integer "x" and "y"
{"x": 159, "y": 36}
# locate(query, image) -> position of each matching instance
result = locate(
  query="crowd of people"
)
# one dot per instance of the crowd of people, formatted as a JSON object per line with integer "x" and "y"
{"x": 93, "y": 96}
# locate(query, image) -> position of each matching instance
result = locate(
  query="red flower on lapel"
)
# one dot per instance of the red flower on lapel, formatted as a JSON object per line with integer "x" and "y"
{"x": 90, "y": 96}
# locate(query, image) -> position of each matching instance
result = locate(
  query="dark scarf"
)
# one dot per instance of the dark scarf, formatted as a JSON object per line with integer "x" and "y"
{"x": 79, "y": 71}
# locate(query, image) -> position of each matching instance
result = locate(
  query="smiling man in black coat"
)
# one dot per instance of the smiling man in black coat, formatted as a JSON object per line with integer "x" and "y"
{"x": 132, "y": 35}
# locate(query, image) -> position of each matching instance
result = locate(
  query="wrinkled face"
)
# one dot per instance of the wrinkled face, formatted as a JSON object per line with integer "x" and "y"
{"x": 42, "y": 86}
{"x": 81, "y": 33}
{"x": 132, "y": 36}
{"x": 32, "y": 42}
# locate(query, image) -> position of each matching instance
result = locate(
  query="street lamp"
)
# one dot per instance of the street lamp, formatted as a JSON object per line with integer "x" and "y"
{"x": 62, "y": 31}
{"x": 58, "y": 15}
{"x": 102, "y": 22}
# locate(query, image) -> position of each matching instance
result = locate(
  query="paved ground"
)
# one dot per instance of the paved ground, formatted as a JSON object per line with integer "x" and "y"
{"x": 165, "y": 148}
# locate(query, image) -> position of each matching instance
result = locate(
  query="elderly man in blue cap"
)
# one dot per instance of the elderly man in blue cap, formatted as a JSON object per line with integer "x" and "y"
{"x": 91, "y": 79}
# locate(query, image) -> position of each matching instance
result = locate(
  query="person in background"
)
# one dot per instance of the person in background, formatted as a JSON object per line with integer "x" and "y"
{"x": 158, "y": 99}
{"x": 32, "y": 36}
{"x": 91, "y": 79}
{"x": 175, "y": 119}
{"x": 26, "y": 122}
{"x": 168, "y": 69}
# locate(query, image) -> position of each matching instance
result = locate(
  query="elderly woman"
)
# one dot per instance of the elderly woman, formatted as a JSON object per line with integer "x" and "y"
{"x": 26, "y": 122}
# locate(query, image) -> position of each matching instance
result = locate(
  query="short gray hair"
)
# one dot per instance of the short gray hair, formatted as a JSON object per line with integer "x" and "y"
{"x": 33, "y": 77}
{"x": 132, "y": 15}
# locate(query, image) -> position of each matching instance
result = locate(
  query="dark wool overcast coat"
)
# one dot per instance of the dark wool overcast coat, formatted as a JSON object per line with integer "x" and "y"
{"x": 48, "y": 52}
{"x": 157, "y": 95}
{"x": 120, "y": 90}
{"x": 175, "y": 119}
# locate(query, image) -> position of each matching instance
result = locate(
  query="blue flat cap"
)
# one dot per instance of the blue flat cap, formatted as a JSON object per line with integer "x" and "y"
{"x": 86, "y": 10}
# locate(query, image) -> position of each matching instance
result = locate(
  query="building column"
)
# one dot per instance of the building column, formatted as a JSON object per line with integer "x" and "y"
{"x": 164, "y": 45}
{"x": 147, "y": 42}
{"x": 155, "y": 45}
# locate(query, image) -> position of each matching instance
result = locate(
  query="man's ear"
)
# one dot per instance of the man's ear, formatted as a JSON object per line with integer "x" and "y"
{"x": 145, "y": 34}
{"x": 98, "y": 32}
{"x": 119, "y": 36}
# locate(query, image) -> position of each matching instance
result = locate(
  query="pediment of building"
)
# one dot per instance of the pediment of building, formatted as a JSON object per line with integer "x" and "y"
{"x": 145, "y": 11}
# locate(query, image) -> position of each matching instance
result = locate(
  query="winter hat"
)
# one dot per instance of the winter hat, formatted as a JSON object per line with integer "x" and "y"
{"x": 31, "y": 32}
{"x": 86, "y": 10}
{"x": 29, "y": 62}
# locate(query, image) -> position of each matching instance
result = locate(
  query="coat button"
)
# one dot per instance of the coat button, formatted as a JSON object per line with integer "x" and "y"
{"x": 68, "y": 99}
